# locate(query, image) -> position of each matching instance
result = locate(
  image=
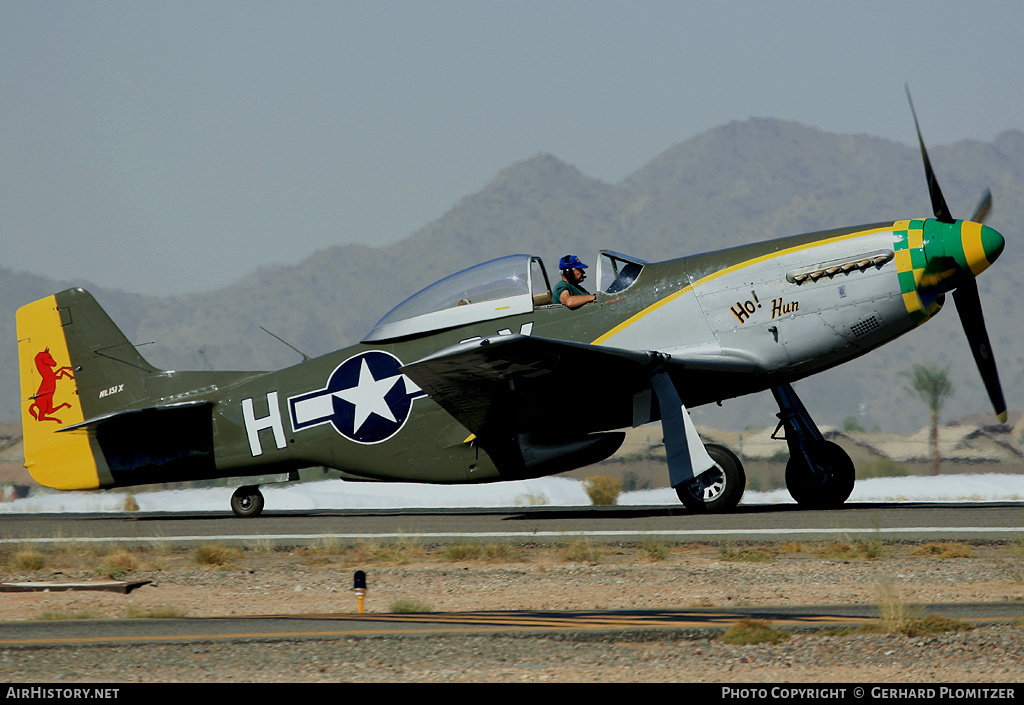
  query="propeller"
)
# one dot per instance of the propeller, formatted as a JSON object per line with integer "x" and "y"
{"x": 965, "y": 293}
{"x": 939, "y": 206}
{"x": 968, "y": 305}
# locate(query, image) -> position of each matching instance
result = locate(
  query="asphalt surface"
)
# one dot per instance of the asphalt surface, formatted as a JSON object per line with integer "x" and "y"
{"x": 693, "y": 620}
{"x": 924, "y": 521}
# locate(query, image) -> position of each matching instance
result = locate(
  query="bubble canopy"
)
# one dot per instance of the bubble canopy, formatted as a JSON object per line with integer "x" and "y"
{"x": 506, "y": 286}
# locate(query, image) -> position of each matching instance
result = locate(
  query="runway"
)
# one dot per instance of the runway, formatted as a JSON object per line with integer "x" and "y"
{"x": 922, "y": 521}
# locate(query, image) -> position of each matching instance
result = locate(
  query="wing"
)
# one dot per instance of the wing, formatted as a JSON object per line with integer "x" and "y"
{"x": 520, "y": 383}
{"x": 514, "y": 385}
{"x": 524, "y": 384}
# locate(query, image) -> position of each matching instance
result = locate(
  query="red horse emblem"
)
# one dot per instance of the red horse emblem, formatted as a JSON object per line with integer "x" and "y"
{"x": 43, "y": 406}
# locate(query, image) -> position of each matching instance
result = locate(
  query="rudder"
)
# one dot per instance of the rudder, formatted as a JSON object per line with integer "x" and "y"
{"x": 76, "y": 365}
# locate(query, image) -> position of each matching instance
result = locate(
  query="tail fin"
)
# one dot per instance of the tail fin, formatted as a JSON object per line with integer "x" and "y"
{"x": 76, "y": 366}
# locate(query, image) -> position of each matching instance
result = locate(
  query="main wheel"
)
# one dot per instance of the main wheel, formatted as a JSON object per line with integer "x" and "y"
{"x": 247, "y": 501}
{"x": 827, "y": 482}
{"x": 718, "y": 489}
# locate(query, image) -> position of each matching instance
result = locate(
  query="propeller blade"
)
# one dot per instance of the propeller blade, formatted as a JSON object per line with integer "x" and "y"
{"x": 939, "y": 206}
{"x": 983, "y": 208}
{"x": 968, "y": 306}
{"x": 968, "y": 302}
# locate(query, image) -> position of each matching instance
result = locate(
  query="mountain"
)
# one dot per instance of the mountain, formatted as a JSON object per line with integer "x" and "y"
{"x": 742, "y": 182}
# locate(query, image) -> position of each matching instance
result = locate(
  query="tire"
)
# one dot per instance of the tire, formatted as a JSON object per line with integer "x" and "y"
{"x": 718, "y": 489}
{"x": 247, "y": 502}
{"x": 828, "y": 484}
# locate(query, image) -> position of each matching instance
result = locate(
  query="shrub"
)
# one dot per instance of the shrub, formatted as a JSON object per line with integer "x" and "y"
{"x": 54, "y": 616}
{"x": 753, "y": 631}
{"x": 212, "y": 554}
{"x": 158, "y": 612}
{"x": 579, "y": 551}
{"x": 118, "y": 564}
{"x": 746, "y": 555}
{"x": 409, "y": 606}
{"x": 471, "y": 551}
{"x": 897, "y": 616}
{"x": 28, "y": 560}
{"x": 944, "y": 549}
{"x": 654, "y": 551}
{"x": 858, "y": 550}
{"x": 603, "y": 490}
{"x": 398, "y": 552}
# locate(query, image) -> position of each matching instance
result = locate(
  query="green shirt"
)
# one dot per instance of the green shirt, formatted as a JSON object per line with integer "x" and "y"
{"x": 571, "y": 288}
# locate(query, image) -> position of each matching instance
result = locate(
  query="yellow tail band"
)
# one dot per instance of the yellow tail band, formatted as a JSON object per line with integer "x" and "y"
{"x": 50, "y": 402}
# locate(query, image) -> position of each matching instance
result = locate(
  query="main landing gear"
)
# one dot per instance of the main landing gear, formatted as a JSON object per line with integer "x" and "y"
{"x": 718, "y": 489}
{"x": 819, "y": 475}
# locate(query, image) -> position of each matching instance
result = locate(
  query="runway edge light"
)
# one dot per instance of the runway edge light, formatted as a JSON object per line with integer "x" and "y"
{"x": 359, "y": 587}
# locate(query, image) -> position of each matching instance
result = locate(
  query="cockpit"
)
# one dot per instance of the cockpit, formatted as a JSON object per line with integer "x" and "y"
{"x": 615, "y": 272}
{"x": 506, "y": 286}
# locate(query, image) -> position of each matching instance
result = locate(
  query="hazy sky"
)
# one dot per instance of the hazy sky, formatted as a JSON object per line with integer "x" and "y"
{"x": 165, "y": 147}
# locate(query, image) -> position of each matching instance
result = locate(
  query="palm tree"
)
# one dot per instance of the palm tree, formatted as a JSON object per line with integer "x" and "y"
{"x": 932, "y": 384}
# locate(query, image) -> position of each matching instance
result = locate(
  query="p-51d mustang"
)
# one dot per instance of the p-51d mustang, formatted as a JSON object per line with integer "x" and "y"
{"x": 467, "y": 380}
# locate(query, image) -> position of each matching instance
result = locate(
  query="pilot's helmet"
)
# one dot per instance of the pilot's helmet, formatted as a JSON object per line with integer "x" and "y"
{"x": 570, "y": 262}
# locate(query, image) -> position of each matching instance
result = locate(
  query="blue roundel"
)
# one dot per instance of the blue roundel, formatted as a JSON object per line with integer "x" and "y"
{"x": 367, "y": 399}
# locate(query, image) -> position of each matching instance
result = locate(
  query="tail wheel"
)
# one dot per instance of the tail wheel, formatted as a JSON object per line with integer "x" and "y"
{"x": 247, "y": 501}
{"x": 824, "y": 484}
{"x": 718, "y": 489}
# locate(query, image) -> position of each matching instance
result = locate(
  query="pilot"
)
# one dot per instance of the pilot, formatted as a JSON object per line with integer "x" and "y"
{"x": 570, "y": 292}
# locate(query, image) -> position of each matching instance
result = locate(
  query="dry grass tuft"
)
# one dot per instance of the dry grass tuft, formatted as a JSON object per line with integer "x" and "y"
{"x": 654, "y": 551}
{"x": 409, "y": 607}
{"x": 399, "y": 552}
{"x": 158, "y": 612}
{"x": 855, "y": 551}
{"x": 943, "y": 549}
{"x": 216, "y": 555}
{"x": 28, "y": 560}
{"x": 746, "y": 555}
{"x": 495, "y": 552}
{"x": 118, "y": 564}
{"x": 900, "y": 617}
{"x": 753, "y": 631}
{"x": 580, "y": 551}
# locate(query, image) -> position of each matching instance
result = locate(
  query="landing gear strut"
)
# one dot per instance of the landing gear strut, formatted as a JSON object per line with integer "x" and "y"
{"x": 820, "y": 474}
{"x": 706, "y": 478}
{"x": 247, "y": 501}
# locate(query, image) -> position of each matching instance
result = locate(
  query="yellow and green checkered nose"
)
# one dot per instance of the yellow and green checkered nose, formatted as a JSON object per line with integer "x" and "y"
{"x": 933, "y": 257}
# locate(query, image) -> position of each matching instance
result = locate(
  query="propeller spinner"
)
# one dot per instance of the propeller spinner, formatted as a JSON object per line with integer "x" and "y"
{"x": 956, "y": 252}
